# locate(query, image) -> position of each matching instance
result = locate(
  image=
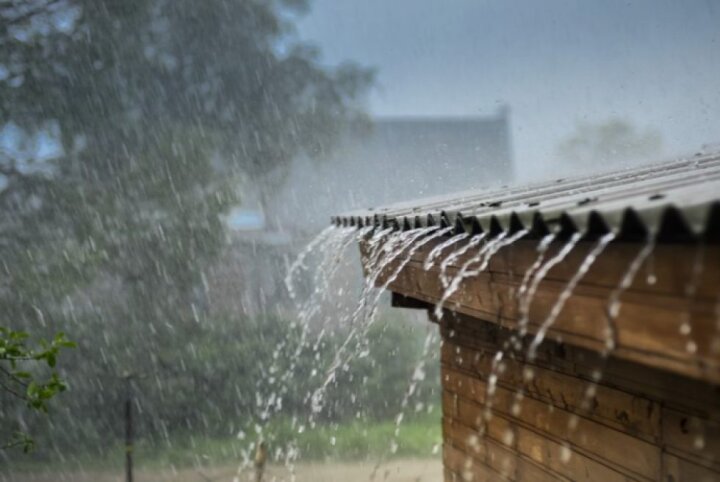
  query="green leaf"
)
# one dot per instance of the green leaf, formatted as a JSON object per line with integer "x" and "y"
{"x": 32, "y": 389}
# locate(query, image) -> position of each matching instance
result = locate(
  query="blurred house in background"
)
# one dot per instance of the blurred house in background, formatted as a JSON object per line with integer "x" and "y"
{"x": 245, "y": 281}
{"x": 430, "y": 155}
{"x": 396, "y": 160}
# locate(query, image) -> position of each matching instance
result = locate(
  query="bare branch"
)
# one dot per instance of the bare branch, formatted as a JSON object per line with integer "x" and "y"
{"x": 13, "y": 377}
{"x": 11, "y": 391}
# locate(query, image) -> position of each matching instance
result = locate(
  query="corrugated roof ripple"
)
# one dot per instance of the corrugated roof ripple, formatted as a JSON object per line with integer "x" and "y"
{"x": 676, "y": 200}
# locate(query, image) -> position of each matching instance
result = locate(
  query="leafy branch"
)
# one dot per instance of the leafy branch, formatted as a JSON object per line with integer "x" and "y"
{"x": 19, "y": 363}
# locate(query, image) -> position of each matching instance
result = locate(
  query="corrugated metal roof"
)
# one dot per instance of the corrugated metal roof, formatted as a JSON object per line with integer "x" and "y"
{"x": 673, "y": 201}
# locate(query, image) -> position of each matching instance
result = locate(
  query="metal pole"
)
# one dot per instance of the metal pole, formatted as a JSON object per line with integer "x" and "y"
{"x": 128, "y": 430}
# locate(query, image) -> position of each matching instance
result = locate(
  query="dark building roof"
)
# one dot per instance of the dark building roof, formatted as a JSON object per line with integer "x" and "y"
{"x": 672, "y": 201}
{"x": 427, "y": 152}
{"x": 399, "y": 158}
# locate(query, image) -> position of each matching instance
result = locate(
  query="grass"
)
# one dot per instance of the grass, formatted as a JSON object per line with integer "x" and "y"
{"x": 349, "y": 441}
{"x": 418, "y": 437}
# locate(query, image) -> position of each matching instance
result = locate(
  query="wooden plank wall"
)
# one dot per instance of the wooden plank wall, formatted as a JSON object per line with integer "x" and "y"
{"x": 547, "y": 420}
{"x": 672, "y": 324}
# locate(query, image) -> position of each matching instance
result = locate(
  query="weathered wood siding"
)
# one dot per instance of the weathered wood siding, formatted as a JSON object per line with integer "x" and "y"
{"x": 548, "y": 420}
{"x": 648, "y": 412}
{"x": 653, "y": 320}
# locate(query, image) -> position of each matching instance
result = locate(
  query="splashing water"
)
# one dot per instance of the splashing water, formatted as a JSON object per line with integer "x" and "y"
{"x": 567, "y": 292}
{"x": 376, "y": 249}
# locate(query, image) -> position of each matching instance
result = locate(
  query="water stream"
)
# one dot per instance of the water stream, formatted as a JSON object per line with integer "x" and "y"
{"x": 540, "y": 274}
{"x": 298, "y": 263}
{"x": 540, "y": 271}
{"x": 542, "y": 247}
{"x": 386, "y": 254}
{"x": 438, "y": 250}
{"x": 384, "y": 247}
{"x": 614, "y": 304}
{"x": 483, "y": 257}
{"x": 612, "y": 311}
{"x": 691, "y": 288}
{"x": 331, "y": 244}
{"x": 454, "y": 255}
{"x": 363, "y": 316}
{"x": 567, "y": 292}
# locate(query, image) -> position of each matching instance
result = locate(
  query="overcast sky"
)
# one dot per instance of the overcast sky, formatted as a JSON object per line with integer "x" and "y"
{"x": 558, "y": 62}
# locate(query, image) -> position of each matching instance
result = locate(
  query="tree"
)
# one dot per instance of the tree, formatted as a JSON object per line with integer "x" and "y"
{"x": 153, "y": 106}
{"x": 613, "y": 141}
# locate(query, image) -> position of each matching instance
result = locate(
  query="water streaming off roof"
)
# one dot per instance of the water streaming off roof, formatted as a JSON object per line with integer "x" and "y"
{"x": 174, "y": 305}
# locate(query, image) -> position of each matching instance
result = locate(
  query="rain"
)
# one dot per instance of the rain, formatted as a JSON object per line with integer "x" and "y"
{"x": 321, "y": 240}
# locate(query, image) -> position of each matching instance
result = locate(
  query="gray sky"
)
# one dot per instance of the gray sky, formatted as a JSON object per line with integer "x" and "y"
{"x": 557, "y": 62}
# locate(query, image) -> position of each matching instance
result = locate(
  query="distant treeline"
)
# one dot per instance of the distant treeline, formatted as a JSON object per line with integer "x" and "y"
{"x": 218, "y": 378}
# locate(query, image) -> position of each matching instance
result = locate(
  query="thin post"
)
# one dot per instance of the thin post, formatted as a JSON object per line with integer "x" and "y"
{"x": 128, "y": 429}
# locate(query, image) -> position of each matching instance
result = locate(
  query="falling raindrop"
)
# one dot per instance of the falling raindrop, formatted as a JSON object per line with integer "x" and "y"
{"x": 508, "y": 437}
{"x": 685, "y": 328}
{"x": 565, "y": 454}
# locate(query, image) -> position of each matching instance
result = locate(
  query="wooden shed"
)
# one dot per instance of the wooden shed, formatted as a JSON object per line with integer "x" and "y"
{"x": 581, "y": 329}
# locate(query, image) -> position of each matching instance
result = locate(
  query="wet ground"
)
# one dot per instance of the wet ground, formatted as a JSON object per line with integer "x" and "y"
{"x": 407, "y": 470}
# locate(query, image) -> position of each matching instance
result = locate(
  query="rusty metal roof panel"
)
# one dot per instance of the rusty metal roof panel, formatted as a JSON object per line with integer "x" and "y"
{"x": 679, "y": 199}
